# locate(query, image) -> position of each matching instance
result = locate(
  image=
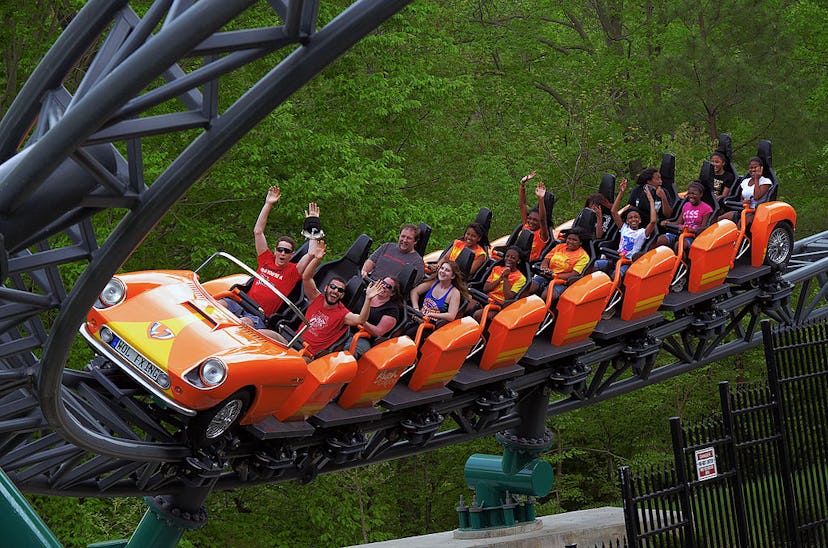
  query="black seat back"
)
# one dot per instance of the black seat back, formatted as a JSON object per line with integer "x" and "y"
{"x": 764, "y": 154}
{"x": 484, "y": 218}
{"x": 524, "y": 241}
{"x": 354, "y": 293}
{"x": 668, "y": 175}
{"x": 725, "y": 146}
{"x": 422, "y": 243}
{"x": 549, "y": 203}
{"x": 408, "y": 279}
{"x": 706, "y": 179}
{"x": 464, "y": 261}
{"x": 585, "y": 220}
{"x": 607, "y": 186}
{"x": 348, "y": 265}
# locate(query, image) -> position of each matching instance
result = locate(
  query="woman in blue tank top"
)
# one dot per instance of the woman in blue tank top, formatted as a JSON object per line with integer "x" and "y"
{"x": 443, "y": 296}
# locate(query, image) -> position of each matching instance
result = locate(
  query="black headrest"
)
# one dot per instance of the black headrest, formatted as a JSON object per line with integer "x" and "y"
{"x": 725, "y": 146}
{"x": 764, "y": 153}
{"x": 706, "y": 179}
{"x": 354, "y": 296}
{"x": 464, "y": 261}
{"x": 358, "y": 251}
{"x": 607, "y": 186}
{"x": 484, "y": 217}
{"x": 585, "y": 220}
{"x": 407, "y": 278}
{"x": 668, "y": 174}
{"x": 346, "y": 266}
{"x": 425, "y": 234}
{"x": 549, "y": 203}
{"x": 524, "y": 242}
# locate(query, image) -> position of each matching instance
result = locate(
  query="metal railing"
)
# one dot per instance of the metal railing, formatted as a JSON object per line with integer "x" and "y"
{"x": 758, "y": 474}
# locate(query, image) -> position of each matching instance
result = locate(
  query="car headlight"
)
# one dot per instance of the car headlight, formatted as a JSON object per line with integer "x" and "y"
{"x": 112, "y": 294}
{"x": 163, "y": 380}
{"x": 106, "y": 334}
{"x": 212, "y": 372}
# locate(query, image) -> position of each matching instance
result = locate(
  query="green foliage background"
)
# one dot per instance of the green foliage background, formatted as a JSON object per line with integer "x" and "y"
{"x": 438, "y": 113}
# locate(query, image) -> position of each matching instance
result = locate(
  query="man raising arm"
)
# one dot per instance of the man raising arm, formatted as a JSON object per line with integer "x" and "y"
{"x": 327, "y": 316}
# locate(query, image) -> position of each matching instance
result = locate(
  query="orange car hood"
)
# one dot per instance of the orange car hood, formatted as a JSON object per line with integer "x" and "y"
{"x": 176, "y": 324}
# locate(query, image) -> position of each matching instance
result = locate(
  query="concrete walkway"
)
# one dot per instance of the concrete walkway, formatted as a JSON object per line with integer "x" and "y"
{"x": 586, "y": 528}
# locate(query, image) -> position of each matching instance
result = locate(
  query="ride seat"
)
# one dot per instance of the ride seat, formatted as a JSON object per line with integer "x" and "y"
{"x": 668, "y": 175}
{"x": 764, "y": 153}
{"x": 476, "y": 288}
{"x": 706, "y": 180}
{"x": 647, "y": 282}
{"x": 484, "y": 218}
{"x": 464, "y": 260}
{"x": 443, "y": 353}
{"x": 422, "y": 242}
{"x": 511, "y": 332}
{"x": 725, "y": 146}
{"x": 347, "y": 266}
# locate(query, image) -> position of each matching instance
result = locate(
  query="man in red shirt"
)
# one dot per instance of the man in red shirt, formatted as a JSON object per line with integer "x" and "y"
{"x": 274, "y": 266}
{"x": 327, "y": 317}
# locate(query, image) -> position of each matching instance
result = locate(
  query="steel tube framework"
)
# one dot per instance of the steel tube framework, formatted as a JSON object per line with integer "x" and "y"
{"x": 86, "y": 433}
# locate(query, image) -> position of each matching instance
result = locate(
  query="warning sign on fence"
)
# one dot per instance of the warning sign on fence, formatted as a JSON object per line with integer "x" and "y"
{"x": 706, "y": 464}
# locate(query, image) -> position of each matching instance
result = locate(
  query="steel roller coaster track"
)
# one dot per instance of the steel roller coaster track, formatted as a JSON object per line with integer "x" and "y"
{"x": 92, "y": 433}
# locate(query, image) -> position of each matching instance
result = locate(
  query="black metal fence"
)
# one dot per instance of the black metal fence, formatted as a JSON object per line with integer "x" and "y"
{"x": 758, "y": 475}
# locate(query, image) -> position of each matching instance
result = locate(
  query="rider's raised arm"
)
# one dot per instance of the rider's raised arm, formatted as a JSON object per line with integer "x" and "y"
{"x": 540, "y": 192}
{"x": 311, "y": 291}
{"x": 524, "y": 211}
{"x": 616, "y": 217}
{"x": 313, "y": 211}
{"x": 648, "y": 230}
{"x": 273, "y": 195}
{"x": 371, "y": 291}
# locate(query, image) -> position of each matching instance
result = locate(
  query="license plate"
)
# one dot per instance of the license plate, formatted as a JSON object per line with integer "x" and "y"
{"x": 140, "y": 362}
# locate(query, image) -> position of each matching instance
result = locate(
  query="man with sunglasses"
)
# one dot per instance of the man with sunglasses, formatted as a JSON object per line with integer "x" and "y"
{"x": 274, "y": 266}
{"x": 327, "y": 317}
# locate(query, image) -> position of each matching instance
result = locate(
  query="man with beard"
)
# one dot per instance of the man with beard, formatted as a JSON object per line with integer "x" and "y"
{"x": 327, "y": 317}
{"x": 390, "y": 258}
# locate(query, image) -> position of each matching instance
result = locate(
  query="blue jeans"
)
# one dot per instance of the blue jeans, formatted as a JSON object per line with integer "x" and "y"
{"x": 608, "y": 266}
{"x": 543, "y": 282}
{"x": 237, "y": 309}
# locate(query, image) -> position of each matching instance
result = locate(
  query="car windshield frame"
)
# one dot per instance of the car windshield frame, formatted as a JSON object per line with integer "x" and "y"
{"x": 266, "y": 283}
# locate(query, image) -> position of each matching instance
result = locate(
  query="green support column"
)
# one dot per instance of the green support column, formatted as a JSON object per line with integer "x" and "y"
{"x": 497, "y": 480}
{"x": 166, "y": 520}
{"x": 21, "y": 526}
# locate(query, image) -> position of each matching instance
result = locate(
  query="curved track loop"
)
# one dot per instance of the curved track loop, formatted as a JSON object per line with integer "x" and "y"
{"x": 92, "y": 433}
{"x": 113, "y": 104}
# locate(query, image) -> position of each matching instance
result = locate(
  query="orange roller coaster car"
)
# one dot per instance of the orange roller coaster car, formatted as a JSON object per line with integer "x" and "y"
{"x": 163, "y": 329}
